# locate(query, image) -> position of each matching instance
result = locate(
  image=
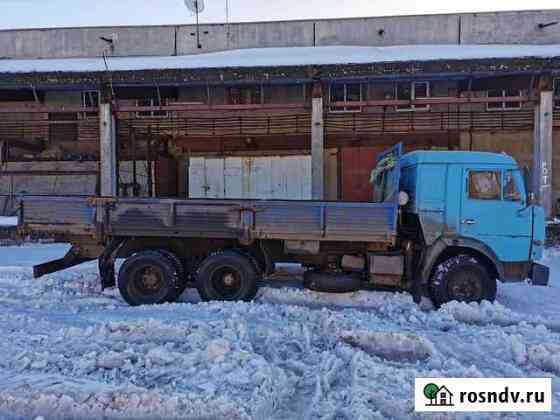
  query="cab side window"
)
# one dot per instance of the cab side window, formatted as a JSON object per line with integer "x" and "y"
{"x": 511, "y": 189}
{"x": 485, "y": 185}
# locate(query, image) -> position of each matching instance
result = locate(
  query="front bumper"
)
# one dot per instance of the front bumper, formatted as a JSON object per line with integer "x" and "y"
{"x": 539, "y": 274}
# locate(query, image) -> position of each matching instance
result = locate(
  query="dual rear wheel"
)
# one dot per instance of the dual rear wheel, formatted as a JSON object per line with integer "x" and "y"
{"x": 158, "y": 276}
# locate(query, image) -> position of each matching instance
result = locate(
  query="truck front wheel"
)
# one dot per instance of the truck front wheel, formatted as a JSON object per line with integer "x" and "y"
{"x": 462, "y": 278}
{"x": 148, "y": 278}
{"x": 227, "y": 276}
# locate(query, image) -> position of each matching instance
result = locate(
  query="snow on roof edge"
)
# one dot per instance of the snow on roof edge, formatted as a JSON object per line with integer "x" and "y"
{"x": 8, "y": 221}
{"x": 277, "y": 57}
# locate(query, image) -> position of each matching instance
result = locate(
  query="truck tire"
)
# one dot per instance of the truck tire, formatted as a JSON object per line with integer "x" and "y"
{"x": 332, "y": 282}
{"x": 461, "y": 278}
{"x": 181, "y": 274}
{"x": 147, "y": 278}
{"x": 227, "y": 276}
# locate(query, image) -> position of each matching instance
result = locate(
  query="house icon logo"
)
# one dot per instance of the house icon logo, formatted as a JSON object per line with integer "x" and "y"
{"x": 439, "y": 396}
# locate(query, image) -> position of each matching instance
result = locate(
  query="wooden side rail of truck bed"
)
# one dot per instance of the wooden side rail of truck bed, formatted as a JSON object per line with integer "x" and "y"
{"x": 245, "y": 220}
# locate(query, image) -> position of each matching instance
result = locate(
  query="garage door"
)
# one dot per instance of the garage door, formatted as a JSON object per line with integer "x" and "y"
{"x": 287, "y": 178}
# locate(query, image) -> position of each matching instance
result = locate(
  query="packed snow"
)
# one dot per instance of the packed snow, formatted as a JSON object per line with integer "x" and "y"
{"x": 287, "y": 56}
{"x": 70, "y": 351}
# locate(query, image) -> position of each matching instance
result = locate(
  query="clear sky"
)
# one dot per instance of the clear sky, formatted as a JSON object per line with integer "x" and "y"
{"x": 57, "y": 13}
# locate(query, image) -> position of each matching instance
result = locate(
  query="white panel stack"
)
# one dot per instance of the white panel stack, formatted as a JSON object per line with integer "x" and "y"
{"x": 287, "y": 178}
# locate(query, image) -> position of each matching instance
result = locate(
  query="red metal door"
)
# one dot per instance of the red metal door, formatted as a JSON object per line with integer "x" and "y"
{"x": 357, "y": 164}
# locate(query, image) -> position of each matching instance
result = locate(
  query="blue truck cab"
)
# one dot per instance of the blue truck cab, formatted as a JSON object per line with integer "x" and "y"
{"x": 476, "y": 220}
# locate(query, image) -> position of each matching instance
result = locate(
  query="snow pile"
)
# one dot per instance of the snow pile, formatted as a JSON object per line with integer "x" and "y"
{"x": 391, "y": 345}
{"x": 289, "y": 56}
{"x": 72, "y": 352}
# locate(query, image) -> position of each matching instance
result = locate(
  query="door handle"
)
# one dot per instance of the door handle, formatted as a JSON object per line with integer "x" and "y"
{"x": 468, "y": 222}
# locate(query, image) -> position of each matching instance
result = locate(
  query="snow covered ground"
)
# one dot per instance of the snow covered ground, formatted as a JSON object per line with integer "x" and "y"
{"x": 69, "y": 351}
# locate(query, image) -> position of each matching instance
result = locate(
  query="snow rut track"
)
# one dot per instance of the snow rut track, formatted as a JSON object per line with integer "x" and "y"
{"x": 72, "y": 352}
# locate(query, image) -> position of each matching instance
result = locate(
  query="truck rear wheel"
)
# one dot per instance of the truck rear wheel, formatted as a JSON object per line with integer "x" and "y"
{"x": 227, "y": 276}
{"x": 181, "y": 284}
{"x": 147, "y": 278}
{"x": 461, "y": 278}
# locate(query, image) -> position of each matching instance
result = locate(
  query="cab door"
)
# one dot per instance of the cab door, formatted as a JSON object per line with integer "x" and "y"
{"x": 494, "y": 211}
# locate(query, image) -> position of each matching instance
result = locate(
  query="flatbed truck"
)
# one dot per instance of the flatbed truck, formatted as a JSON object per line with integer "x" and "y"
{"x": 443, "y": 224}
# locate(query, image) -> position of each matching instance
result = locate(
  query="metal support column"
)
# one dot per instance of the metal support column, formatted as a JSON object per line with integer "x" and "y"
{"x": 108, "y": 151}
{"x": 542, "y": 147}
{"x": 317, "y": 144}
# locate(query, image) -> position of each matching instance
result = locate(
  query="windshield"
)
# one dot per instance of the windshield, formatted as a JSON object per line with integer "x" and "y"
{"x": 384, "y": 178}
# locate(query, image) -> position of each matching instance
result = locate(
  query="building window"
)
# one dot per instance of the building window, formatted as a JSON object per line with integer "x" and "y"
{"x": 152, "y": 102}
{"x": 246, "y": 95}
{"x": 90, "y": 99}
{"x": 410, "y": 92}
{"x": 348, "y": 93}
{"x": 502, "y": 93}
{"x": 557, "y": 93}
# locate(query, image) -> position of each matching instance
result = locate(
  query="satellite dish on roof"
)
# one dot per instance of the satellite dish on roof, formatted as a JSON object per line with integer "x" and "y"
{"x": 196, "y": 6}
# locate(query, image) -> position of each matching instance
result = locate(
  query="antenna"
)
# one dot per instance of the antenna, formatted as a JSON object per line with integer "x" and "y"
{"x": 196, "y": 6}
{"x": 227, "y": 24}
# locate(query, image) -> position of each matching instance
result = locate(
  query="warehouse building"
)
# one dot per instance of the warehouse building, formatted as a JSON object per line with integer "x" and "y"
{"x": 295, "y": 110}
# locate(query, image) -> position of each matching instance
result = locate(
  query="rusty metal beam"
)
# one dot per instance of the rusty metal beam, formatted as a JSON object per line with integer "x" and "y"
{"x": 197, "y": 107}
{"x": 302, "y": 143}
{"x": 46, "y": 173}
{"x": 276, "y": 106}
{"x": 433, "y": 101}
{"x": 45, "y": 110}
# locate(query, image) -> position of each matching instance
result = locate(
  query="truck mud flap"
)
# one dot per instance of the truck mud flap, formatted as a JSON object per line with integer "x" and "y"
{"x": 71, "y": 259}
{"x": 539, "y": 275}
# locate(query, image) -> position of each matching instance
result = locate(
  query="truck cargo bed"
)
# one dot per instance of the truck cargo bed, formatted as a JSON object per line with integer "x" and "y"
{"x": 241, "y": 219}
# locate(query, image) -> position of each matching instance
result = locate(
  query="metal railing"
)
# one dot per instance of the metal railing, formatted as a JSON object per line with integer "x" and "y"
{"x": 28, "y": 130}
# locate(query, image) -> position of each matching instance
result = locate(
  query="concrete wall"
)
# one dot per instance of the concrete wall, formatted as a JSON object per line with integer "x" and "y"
{"x": 86, "y": 42}
{"x": 478, "y": 28}
{"x": 245, "y": 35}
{"x": 510, "y": 28}
{"x": 398, "y": 30}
